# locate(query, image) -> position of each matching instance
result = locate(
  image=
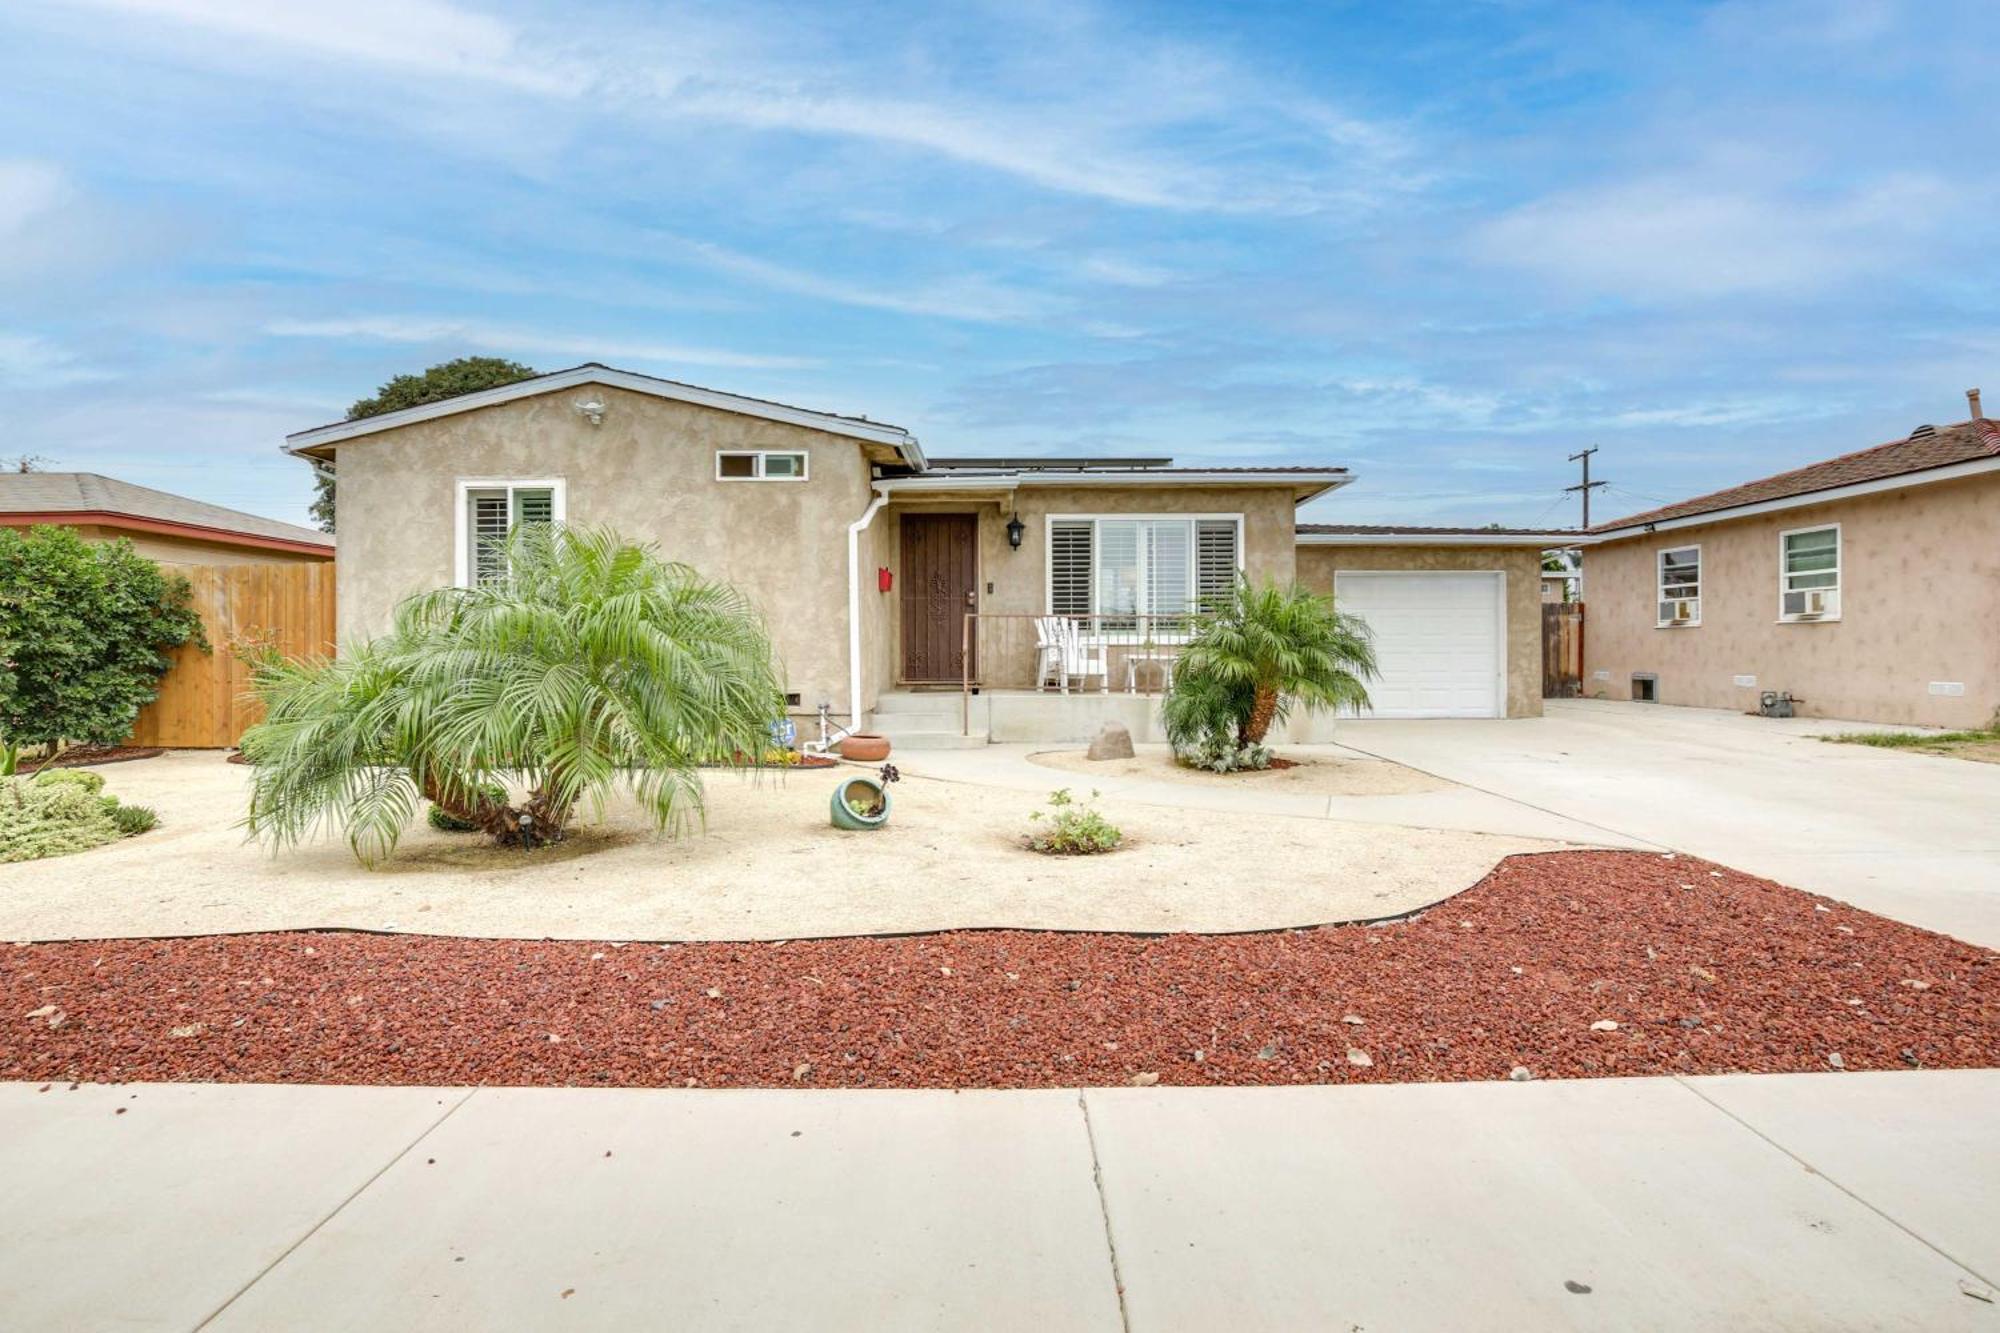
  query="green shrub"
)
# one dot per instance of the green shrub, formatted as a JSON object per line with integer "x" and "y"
{"x": 41, "y": 818}
{"x": 445, "y": 822}
{"x": 1220, "y": 754}
{"x": 1072, "y": 828}
{"x": 71, "y": 777}
{"x": 87, "y": 627}
{"x": 131, "y": 819}
{"x": 1257, "y": 655}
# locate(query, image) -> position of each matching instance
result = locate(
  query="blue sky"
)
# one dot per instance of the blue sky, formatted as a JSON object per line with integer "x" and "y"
{"x": 1445, "y": 245}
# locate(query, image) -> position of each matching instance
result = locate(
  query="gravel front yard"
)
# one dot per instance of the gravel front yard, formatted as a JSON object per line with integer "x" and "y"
{"x": 1701, "y": 969}
{"x": 768, "y": 866}
{"x": 1314, "y": 773}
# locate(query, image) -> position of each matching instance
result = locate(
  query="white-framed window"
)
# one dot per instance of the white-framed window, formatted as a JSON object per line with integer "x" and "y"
{"x": 1141, "y": 565}
{"x": 1809, "y": 573}
{"x": 759, "y": 465}
{"x": 488, "y": 509}
{"x": 1680, "y": 586}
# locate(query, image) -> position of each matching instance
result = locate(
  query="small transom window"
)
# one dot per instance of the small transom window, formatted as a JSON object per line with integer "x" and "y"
{"x": 759, "y": 465}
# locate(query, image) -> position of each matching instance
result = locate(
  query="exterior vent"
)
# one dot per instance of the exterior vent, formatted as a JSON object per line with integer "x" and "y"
{"x": 1923, "y": 432}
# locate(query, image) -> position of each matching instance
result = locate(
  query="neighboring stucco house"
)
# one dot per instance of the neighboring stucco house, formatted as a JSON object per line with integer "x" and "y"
{"x": 866, "y": 555}
{"x": 1867, "y": 585}
{"x": 170, "y": 529}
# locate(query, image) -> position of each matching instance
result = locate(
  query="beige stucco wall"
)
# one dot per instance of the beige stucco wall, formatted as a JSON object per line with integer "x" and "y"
{"x": 1522, "y": 567}
{"x": 647, "y": 471}
{"x": 1015, "y": 582}
{"x": 168, "y": 550}
{"x": 1919, "y": 602}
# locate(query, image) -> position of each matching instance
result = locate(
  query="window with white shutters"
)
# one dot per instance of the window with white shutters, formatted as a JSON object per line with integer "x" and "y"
{"x": 1216, "y": 562}
{"x": 1130, "y": 567}
{"x": 491, "y": 513}
{"x": 1069, "y": 569}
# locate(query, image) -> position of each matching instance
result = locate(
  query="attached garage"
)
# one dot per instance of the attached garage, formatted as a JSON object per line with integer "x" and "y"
{"x": 1439, "y": 639}
{"x": 1456, "y": 612}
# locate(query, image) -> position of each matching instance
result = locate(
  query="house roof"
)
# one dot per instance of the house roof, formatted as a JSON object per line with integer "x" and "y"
{"x": 1398, "y": 534}
{"x": 1304, "y": 482}
{"x": 87, "y": 497}
{"x": 1908, "y": 461}
{"x": 316, "y": 441}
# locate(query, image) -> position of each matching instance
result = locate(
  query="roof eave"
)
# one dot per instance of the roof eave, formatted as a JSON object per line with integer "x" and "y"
{"x": 1532, "y": 540}
{"x": 111, "y": 518}
{"x": 318, "y": 441}
{"x": 1828, "y": 495}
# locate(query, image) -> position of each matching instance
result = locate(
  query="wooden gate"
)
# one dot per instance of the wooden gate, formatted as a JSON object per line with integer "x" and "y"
{"x": 204, "y": 697}
{"x": 1562, "y": 650}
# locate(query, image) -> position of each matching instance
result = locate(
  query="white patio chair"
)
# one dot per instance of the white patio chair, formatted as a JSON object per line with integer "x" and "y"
{"x": 1080, "y": 659}
{"x": 1048, "y": 649}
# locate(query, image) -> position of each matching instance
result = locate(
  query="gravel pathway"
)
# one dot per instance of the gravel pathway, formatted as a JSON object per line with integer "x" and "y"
{"x": 1700, "y": 969}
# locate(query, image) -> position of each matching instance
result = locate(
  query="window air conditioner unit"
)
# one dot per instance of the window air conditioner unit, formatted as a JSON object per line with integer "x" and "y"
{"x": 1818, "y": 603}
{"x": 1683, "y": 611}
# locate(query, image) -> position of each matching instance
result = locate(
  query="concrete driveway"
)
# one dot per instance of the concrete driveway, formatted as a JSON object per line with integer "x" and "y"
{"x": 1910, "y": 836}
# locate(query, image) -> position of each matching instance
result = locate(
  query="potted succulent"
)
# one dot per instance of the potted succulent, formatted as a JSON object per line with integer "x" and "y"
{"x": 863, "y": 803}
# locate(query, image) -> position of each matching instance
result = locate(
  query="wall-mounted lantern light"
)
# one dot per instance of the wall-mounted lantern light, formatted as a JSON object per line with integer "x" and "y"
{"x": 1016, "y": 529}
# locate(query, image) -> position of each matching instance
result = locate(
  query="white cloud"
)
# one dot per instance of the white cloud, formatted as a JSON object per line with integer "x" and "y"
{"x": 29, "y": 191}
{"x": 974, "y": 299}
{"x": 1700, "y": 234}
{"x": 30, "y": 361}
{"x": 420, "y": 35}
{"x": 521, "y": 342}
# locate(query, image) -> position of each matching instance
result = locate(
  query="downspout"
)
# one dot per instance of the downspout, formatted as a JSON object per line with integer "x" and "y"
{"x": 854, "y": 531}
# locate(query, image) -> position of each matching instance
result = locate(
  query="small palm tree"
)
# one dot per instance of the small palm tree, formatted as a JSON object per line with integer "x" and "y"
{"x": 590, "y": 664}
{"x": 1260, "y": 652}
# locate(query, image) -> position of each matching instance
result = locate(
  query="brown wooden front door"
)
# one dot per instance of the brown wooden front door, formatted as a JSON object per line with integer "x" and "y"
{"x": 940, "y": 586}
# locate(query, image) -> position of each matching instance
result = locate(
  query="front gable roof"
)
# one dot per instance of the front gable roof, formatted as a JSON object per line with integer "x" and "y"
{"x": 314, "y": 442}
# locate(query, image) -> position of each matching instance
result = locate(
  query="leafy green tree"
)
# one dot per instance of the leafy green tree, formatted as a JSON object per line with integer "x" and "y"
{"x": 87, "y": 628}
{"x": 1257, "y": 655}
{"x": 449, "y": 379}
{"x": 590, "y": 665}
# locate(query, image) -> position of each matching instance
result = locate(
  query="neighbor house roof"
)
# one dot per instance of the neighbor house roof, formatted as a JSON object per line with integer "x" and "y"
{"x": 1398, "y": 534}
{"x": 88, "y": 498}
{"x": 1930, "y": 453}
{"x": 315, "y": 442}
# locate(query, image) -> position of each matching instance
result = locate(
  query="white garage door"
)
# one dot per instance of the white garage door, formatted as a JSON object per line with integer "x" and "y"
{"x": 1438, "y": 641}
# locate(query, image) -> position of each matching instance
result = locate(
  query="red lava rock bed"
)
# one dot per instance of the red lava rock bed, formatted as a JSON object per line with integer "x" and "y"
{"x": 1704, "y": 970}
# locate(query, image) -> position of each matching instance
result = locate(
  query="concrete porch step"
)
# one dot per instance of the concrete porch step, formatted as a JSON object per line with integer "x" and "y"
{"x": 918, "y": 701}
{"x": 930, "y": 740}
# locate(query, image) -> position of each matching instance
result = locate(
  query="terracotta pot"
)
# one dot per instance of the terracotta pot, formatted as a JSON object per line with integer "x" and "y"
{"x": 865, "y": 748}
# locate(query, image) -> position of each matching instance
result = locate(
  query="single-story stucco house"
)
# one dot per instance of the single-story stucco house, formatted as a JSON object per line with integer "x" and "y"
{"x": 867, "y": 556}
{"x": 169, "y": 529}
{"x": 1867, "y": 586}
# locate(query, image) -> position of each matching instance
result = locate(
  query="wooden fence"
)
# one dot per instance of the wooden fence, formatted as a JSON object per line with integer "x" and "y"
{"x": 204, "y": 697}
{"x": 1562, "y": 650}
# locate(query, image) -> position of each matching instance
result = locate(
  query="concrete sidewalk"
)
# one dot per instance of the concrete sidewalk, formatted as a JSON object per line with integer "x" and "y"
{"x": 1791, "y": 1201}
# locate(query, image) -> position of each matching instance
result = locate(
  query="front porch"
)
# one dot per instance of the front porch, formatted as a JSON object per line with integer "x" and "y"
{"x": 955, "y": 719}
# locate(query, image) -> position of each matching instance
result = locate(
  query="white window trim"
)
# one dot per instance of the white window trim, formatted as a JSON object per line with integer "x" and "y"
{"x": 1839, "y": 589}
{"x": 1194, "y": 557}
{"x": 805, "y": 463}
{"x": 461, "y": 544}
{"x": 1660, "y": 555}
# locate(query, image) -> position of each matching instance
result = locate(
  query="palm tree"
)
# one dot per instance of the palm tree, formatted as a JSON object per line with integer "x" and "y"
{"x": 589, "y": 665}
{"x": 1260, "y": 652}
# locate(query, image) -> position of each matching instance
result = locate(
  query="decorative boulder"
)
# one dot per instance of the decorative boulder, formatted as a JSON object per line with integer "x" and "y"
{"x": 1111, "y": 742}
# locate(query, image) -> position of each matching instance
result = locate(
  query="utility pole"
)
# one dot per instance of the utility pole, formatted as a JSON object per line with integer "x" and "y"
{"x": 1587, "y": 485}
